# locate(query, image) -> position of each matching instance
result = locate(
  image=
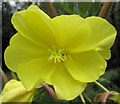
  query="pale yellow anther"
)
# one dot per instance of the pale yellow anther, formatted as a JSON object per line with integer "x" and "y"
{"x": 57, "y": 55}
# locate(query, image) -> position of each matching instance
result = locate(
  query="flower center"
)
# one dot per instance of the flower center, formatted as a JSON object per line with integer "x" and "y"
{"x": 57, "y": 55}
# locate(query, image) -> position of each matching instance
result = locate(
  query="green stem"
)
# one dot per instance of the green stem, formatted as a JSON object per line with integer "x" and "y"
{"x": 90, "y": 101}
{"x": 82, "y": 98}
{"x": 100, "y": 85}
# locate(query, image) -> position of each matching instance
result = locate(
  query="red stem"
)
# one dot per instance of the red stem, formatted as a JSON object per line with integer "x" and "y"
{"x": 4, "y": 76}
{"x": 51, "y": 91}
{"x": 104, "y": 12}
{"x": 51, "y": 9}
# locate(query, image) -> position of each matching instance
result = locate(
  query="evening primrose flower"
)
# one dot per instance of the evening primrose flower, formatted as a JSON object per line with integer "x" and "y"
{"x": 14, "y": 91}
{"x": 67, "y": 51}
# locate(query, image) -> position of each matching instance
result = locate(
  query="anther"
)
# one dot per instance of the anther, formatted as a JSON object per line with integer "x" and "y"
{"x": 57, "y": 55}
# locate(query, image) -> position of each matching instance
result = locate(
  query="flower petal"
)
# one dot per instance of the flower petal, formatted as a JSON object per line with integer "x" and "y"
{"x": 66, "y": 87}
{"x": 102, "y": 37}
{"x": 36, "y": 9}
{"x": 86, "y": 66}
{"x": 72, "y": 31}
{"x": 28, "y": 60}
{"x": 34, "y": 24}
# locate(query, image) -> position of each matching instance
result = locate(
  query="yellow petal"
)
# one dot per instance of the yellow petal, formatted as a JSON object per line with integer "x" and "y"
{"x": 36, "y": 26}
{"x": 72, "y": 31}
{"x": 36, "y": 9}
{"x": 28, "y": 59}
{"x": 86, "y": 66}
{"x": 14, "y": 91}
{"x": 102, "y": 36}
{"x": 66, "y": 87}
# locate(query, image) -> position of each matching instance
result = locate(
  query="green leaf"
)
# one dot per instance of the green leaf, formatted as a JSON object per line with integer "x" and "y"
{"x": 95, "y": 8}
{"x": 103, "y": 80}
{"x": 70, "y": 7}
{"x": 84, "y": 8}
{"x": 66, "y": 7}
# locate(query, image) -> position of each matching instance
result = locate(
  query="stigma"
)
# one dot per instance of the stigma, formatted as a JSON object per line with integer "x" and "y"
{"x": 57, "y": 55}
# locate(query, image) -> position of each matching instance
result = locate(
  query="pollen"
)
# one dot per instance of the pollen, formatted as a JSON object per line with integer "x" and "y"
{"x": 57, "y": 55}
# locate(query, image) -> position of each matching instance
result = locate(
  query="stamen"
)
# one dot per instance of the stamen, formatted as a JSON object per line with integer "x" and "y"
{"x": 57, "y": 55}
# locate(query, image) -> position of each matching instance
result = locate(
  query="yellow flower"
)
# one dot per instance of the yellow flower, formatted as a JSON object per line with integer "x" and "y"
{"x": 14, "y": 91}
{"x": 67, "y": 51}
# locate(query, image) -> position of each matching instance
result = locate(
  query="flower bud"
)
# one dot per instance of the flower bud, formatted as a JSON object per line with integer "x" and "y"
{"x": 14, "y": 91}
{"x": 115, "y": 96}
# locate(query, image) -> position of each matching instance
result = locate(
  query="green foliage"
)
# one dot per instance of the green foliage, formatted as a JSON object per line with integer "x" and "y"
{"x": 42, "y": 95}
{"x": 65, "y": 8}
{"x": 84, "y": 8}
{"x": 95, "y": 8}
{"x": 103, "y": 80}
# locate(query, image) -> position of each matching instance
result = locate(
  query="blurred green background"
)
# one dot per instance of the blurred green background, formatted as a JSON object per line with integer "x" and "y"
{"x": 111, "y": 79}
